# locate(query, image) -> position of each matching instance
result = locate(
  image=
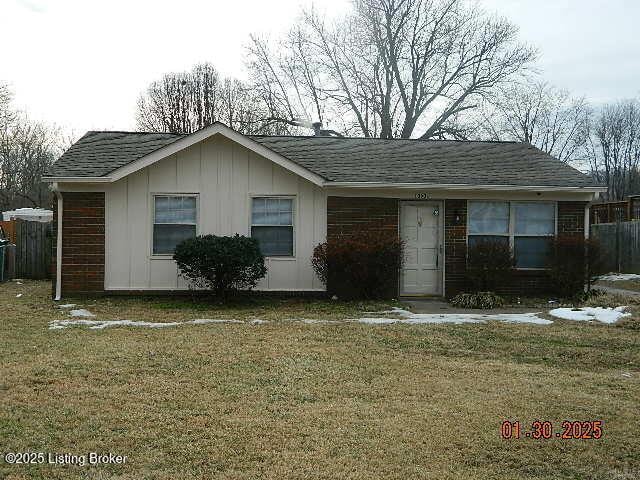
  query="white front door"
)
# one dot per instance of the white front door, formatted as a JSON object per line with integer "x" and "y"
{"x": 420, "y": 231}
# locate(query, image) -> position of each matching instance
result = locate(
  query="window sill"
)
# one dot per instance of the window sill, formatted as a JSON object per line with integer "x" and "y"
{"x": 532, "y": 269}
{"x": 280, "y": 259}
{"x": 161, "y": 257}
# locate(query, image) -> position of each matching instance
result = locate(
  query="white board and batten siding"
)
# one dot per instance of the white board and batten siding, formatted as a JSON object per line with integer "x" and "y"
{"x": 225, "y": 176}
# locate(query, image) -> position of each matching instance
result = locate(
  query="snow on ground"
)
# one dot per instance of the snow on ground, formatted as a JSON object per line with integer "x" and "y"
{"x": 424, "y": 318}
{"x": 521, "y": 318}
{"x": 81, "y": 312}
{"x": 18, "y": 295}
{"x": 312, "y": 321}
{"x": 604, "y": 315}
{"x": 615, "y": 277}
{"x": 203, "y": 321}
{"x": 455, "y": 318}
{"x": 67, "y": 305}
{"x": 601, "y": 314}
{"x": 100, "y": 324}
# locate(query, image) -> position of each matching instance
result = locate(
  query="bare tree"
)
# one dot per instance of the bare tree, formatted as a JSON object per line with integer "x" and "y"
{"x": 537, "y": 113}
{"x": 7, "y": 114}
{"x": 391, "y": 68}
{"x": 27, "y": 149}
{"x": 186, "y": 102}
{"x": 614, "y": 148}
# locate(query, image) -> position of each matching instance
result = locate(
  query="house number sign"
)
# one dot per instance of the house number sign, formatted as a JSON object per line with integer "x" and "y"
{"x": 422, "y": 196}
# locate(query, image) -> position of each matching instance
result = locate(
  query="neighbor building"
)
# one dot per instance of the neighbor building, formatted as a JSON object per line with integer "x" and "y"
{"x": 125, "y": 199}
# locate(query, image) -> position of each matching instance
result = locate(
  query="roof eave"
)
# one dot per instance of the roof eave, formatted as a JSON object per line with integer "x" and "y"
{"x": 461, "y": 186}
{"x": 49, "y": 179}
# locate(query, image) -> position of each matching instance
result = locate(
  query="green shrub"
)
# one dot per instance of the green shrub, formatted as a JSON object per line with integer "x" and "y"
{"x": 573, "y": 263}
{"x": 489, "y": 264}
{"x": 360, "y": 266}
{"x": 221, "y": 264}
{"x": 484, "y": 300}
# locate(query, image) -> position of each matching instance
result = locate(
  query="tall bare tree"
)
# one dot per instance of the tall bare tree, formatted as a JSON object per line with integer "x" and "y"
{"x": 186, "y": 102}
{"x": 6, "y": 112}
{"x": 535, "y": 112}
{"x": 391, "y": 68}
{"x": 27, "y": 149}
{"x": 614, "y": 148}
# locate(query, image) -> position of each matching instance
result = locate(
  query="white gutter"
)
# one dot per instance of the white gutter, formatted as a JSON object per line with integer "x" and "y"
{"x": 463, "y": 186}
{"x": 58, "y": 195}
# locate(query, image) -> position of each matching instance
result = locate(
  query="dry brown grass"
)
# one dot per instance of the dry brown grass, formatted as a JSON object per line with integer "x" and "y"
{"x": 325, "y": 401}
{"x": 633, "y": 285}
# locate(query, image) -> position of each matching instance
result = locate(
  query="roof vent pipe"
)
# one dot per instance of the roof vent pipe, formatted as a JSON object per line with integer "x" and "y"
{"x": 317, "y": 128}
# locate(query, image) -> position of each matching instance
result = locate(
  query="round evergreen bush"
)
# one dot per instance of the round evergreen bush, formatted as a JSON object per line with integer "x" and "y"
{"x": 221, "y": 264}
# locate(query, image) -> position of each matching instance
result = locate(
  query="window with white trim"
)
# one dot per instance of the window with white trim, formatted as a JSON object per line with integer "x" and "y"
{"x": 272, "y": 225}
{"x": 174, "y": 220}
{"x": 527, "y": 227}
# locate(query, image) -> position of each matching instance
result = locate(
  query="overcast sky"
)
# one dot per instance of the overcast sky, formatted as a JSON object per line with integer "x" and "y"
{"x": 82, "y": 64}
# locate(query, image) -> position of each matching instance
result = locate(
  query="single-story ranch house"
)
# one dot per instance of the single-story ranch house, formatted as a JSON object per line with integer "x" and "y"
{"x": 123, "y": 200}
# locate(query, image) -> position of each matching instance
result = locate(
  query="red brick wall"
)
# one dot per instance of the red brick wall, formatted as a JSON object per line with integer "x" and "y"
{"x": 82, "y": 242}
{"x": 346, "y": 215}
{"x": 522, "y": 282}
{"x": 455, "y": 246}
{"x": 349, "y": 215}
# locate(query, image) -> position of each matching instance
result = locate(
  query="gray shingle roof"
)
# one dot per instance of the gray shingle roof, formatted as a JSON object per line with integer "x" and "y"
{"x": 353, "y": 159}
{"x": 431, "y": 162}
{"x": 98, "y": 153}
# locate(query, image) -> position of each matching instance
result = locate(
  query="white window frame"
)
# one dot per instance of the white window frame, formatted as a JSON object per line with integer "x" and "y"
{"x": 294, "y": 216}
{"x": 153, "y": 219}
{"x": 511, "y": 233}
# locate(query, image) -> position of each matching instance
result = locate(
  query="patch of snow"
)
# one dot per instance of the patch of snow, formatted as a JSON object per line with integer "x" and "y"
{"x": 257, "y": 321}
{"x": 67, "y": 305}
{"x": 615, "y": 277}
{"x": 18, "y": 295}
{"x": 453, "y": 318}
{"x": 100, "y": 324}
{"x": 19, "y": 283}
{"x": 626, "y": 375}
{"x": 81, "y": 312}
{"x": 203, "y": 321}
{"x": 378, "y": 320}
{"x": 521, "y": 318}
{"x": 311, "y": 321}
{"x": 600, "y": 314}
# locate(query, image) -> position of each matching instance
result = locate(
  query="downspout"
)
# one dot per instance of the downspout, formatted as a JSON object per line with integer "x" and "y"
{"x": 58, "y": 195}
{"x": 586, "y": 220}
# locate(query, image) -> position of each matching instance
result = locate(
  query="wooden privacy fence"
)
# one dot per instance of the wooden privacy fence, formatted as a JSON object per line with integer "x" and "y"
{"x": 620, "y": 244}
{"x": 33, "y": 250}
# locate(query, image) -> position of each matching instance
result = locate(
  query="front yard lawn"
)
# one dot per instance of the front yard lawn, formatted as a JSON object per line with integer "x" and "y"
{"x": 293, "y": 400}
{"x": 633, "y": 285}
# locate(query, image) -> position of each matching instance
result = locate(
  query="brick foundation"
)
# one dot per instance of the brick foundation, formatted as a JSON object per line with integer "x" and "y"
{"x": 83, "y": 253}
